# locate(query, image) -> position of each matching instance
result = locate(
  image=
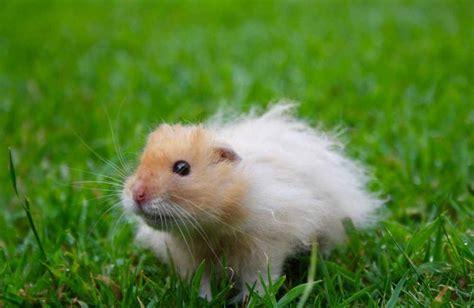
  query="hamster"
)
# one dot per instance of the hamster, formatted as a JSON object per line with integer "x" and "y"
{"x": 253, "y": 191}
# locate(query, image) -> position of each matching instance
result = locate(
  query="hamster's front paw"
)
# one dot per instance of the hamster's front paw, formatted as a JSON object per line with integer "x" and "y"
{"x": 205, "y": 290}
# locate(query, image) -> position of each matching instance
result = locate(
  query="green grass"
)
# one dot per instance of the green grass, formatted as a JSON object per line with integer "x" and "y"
{"x": 397, "y": 75}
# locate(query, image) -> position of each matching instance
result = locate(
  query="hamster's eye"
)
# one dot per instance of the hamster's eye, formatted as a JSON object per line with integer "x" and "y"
{"x": 181, "y": 167}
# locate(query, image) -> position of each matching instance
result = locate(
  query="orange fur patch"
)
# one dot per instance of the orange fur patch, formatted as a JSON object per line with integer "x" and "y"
{"x": 214, "y": 189}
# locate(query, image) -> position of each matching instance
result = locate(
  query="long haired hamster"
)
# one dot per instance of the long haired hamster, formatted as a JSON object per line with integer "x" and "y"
{"x": 253, "y": 190}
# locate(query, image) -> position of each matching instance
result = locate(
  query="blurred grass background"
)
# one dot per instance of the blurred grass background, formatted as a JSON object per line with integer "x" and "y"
{"x": 397, "y": 75}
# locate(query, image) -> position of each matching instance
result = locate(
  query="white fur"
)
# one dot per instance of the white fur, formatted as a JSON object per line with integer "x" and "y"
{"x": 301, "y": 189}
{"x": 302, "y": 185}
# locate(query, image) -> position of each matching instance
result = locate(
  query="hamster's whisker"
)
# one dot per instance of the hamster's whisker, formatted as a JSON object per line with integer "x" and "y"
{"x": 98, "y": 182}
{"x": 113, "y": 206}
{"x": 100, "y": 175}
{"x": 113, "y": 191}
{"x": 114, "y": 140}
{"x": 196, "y": 225}
{"x": 103, "y": 159}
{"x": 189, "y": 233}
{"x": 225, "y": 198}
{"x": 162, "y": 219}
{"x": 272, "y": 212}
{"x": 81, "y": 184}
{"x": 193, "y": 222}
{"x": 204, "y": 211}
{"x": 104, "y": 198}
{"x": 117, "y": 191}
{"x": 182, "y": 234}
{"x": 114, "y": 227}
{"x": 198, "y": 207}
{"x": 219, "y": 220}
{"x": 158, "y": 213}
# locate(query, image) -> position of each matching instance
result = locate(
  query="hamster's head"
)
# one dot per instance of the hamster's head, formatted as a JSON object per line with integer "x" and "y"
{"x": 186, "y": 177}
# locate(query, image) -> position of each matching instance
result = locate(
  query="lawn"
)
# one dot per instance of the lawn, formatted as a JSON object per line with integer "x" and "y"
{"x": 397, "y": 76}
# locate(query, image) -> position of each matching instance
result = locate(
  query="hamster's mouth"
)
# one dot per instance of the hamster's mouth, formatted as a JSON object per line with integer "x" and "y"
{"x": 162, "y": 220}
{"x": 158, "y": 214}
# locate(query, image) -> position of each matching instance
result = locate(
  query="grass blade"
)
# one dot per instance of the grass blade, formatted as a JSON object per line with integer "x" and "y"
{"x": 396, "y": 293}
{"x": 359, "y": 294}
{"x": 311, "y": 274}
{"x": 413, "y": 266}
{"x": 295, "y": 292}
{"x": 26, "y": 206}
{"x": 422, "y": 236}
{"x": 12, "y": 172}
{"x": 196, "y": 284}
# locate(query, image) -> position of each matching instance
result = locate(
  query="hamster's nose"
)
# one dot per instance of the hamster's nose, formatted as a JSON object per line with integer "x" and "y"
{"x": 140, "y": 195}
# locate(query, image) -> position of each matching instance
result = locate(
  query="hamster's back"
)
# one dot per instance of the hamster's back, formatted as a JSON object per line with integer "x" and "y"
{"x": 297, "y": 173}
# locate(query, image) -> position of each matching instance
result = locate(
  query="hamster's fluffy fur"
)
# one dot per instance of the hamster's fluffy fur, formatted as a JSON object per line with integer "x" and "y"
{"x": 261, "y": 188}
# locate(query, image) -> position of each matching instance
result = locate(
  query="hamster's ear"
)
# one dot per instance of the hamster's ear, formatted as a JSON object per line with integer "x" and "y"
{"x": 225, "y": 153}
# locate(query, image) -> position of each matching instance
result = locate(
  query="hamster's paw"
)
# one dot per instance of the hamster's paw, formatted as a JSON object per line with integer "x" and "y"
{"x": 205, "y": 290}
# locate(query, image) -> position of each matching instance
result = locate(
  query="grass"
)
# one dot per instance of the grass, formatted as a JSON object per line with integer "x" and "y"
{"x": 397, "y": 75}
